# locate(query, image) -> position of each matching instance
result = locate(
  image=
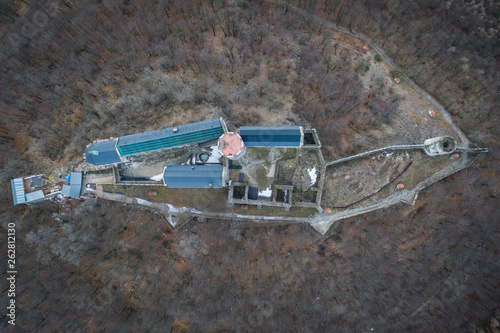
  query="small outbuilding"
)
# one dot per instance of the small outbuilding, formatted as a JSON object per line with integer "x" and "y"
{"x": 74, "y": 189}
{"x": 19, "y": 192}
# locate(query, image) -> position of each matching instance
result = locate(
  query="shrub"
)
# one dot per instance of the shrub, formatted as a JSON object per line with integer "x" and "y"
{"x": 396, "y": 73}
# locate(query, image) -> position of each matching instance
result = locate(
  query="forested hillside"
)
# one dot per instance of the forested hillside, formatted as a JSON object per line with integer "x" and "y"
{"x": 450, "y": 48}
{"x": 76, "y": 71}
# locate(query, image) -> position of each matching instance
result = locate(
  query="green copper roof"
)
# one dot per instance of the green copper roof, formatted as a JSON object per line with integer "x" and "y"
{"x": 170, "y": 137}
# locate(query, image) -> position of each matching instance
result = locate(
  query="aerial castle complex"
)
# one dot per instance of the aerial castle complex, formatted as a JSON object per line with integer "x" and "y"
{"x": 254, "y": 173}
{"x": 211, "y": 169}
{"x": 261, "y": 174}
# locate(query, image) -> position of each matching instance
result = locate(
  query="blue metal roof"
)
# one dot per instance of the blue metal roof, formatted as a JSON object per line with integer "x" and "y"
{"x": 193, "y": 176}
{"x": 253, "y": 193}
{"x": 170, "y": 137}
{"x": 34, "y": 196}
{"x": 271, "y": 136}
{"x": 18, "y": 193}
{"x": 100, "y": 153}
{"x": 76, "y": 178}
{"x": 75, "y": 185}
{"x": 65, "y": 190}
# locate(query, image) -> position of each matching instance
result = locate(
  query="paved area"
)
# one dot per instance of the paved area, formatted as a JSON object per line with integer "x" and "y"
{"x": 98, "y": 178}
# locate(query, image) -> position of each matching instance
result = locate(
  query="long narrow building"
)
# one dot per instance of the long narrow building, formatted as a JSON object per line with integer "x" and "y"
{"x": 170, "y": 137}
{"x": 113, "y": 151}
{"x": 191, "y": 176}
{"x": 272, "y": 136}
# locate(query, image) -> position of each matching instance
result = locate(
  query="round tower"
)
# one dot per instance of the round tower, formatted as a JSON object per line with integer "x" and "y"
{"x": 231, "y": 145}
{"x": 440, "y": 146}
